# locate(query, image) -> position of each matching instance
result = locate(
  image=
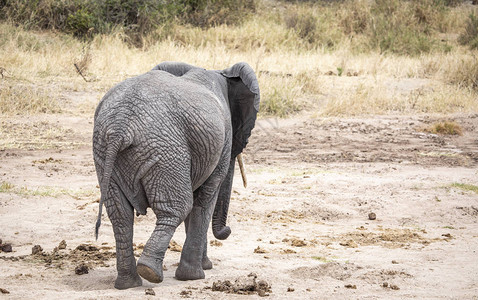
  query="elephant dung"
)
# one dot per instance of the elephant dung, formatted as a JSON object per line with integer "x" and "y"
{"x": 244, "y": 285}
{"x": 6, "y": 247}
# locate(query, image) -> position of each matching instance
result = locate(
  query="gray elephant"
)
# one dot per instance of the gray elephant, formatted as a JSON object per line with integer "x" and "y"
{"x": 167, "y": 140}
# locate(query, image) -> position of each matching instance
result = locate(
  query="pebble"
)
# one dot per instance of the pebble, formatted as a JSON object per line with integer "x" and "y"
{"x": 149, "y": 292}
{"x": 37, "y": 249}
{"x": 372, "y": 216}
{"x": 62, "y": 245}
{"x": 81, "y": 269}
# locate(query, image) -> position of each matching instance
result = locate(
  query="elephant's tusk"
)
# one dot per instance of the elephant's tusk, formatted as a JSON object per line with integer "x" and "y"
{"x": 243, "y": 171}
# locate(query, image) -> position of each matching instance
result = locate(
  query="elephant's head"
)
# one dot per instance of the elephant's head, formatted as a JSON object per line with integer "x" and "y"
{"x": 244, "y": 97}
{"x": 241, "y": 90}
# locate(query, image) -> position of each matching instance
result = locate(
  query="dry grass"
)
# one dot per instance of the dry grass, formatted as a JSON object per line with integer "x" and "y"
{"x": 25, "y": 99}
{"x": 292, "y": 73}
{"x": 404, "y": 98}
{"x": 35, "y": 134}
{"x": 445, "y": 128}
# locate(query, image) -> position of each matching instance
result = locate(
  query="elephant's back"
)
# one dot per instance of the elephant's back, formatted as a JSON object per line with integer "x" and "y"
{"x": 171, "y": 122}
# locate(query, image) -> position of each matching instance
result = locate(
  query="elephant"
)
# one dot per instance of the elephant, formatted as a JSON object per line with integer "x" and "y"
{"x": 168, "y": 140}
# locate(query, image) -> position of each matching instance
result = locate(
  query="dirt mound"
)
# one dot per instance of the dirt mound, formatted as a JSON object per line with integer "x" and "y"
{"x": 245, "y": 285}
{"x": 388, "y": 238}
{"x": 335, "y": 270}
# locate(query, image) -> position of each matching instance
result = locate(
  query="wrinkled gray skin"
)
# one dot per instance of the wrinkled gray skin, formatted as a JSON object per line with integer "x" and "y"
{"x": 167, "y": 140}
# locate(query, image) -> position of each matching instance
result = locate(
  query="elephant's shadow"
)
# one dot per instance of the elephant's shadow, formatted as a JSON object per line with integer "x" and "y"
{"x": 104, "y": 279}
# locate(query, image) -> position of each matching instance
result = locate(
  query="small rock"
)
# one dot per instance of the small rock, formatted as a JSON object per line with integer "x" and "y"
{"x": 262, "y": 293}
{"x": 4, "y": 291}
{"x": 84, "y": 247}
{"x": 350, "y": 286}
{"x": 372, "y": 216}
{"x": 394, "y": 262}
{"x": 260, "y": 250}
{"x": 349, "y": 243}
{"x": 173, "y": 246}
{"x": 186, "y": 294}
{"x": 298, "y": 243}
{"x": 62, "y": 245}
{"x": 7, "y": 247}
{"x": 149, "y": 292}
{"x": 215, "y": 243}
{"x": 288, "y": 251}
{"x": 394, "y": 287}
{"x": 290, "y": 289}
{"x": 385, "y": 284}
{"x": 81, "y": 269}
{"x": 447, "y": 235}
{"x": 37, "y": 249}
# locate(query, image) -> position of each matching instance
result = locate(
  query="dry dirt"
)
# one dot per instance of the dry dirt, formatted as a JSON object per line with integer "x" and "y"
{"x": 301, "y": 228}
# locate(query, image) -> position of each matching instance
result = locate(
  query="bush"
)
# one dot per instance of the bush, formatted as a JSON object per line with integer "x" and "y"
{"x": 470, "y": 35}
{"x": 304, "y": 23}
{"x": 137, "y": 18}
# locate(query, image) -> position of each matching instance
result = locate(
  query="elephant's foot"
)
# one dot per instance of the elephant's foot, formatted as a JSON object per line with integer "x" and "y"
{"x": 150, "y": 269}
{"x": 188, "y": 272}
{"x": 206, "y": 263}
{"x": 127, "y": 282}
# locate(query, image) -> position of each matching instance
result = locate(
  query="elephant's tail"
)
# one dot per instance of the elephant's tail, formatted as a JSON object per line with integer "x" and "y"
{"x": 112, "y": 149}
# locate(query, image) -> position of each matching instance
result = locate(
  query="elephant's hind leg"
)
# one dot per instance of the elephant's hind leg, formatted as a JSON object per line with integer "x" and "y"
{"x": 170, "y": 198}
{"x": 206, "y": 262}
{"x": 192, "y": 261}
{"x": 194, "y": 255}
{"x": 121, "y": 215}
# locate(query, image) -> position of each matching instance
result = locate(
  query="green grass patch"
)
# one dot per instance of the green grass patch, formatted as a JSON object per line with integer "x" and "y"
{"x": 465, "y": 187}
{"x": 45, "y": 191}
{"x": 6, "y": 187}
{"x": 322, "y": 259}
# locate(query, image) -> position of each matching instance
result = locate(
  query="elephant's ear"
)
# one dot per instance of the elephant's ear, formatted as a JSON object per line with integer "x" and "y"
{"x": 175, "y": 68}
{"x": 244, "y": 98}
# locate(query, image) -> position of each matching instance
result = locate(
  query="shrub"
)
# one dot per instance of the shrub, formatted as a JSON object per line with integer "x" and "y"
{"x": 137, "y": 18}
{"x": 470, "y": 35}
{"x": 304, "y": 23}
{"x": 445, "y": 128}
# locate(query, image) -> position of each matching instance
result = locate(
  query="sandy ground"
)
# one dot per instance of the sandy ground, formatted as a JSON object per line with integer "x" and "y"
{"x": 302, "y": 225}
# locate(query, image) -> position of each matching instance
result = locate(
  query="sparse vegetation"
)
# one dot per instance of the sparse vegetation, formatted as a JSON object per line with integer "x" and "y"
{"x": 466, "y": 187}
